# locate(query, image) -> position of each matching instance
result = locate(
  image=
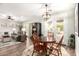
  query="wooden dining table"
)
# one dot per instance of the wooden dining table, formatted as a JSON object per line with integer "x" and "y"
{"x": 45, "y": 43}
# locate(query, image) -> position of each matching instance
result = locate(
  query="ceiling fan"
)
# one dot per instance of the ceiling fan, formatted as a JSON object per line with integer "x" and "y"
{"x": 10, "y": 18}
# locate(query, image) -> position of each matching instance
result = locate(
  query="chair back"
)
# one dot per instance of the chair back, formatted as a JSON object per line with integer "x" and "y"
{"x": 60, "y": 42}
{"x": 50, "y": 36}
{"x": 61, "y": 39}
{"x": 36, "y": 42}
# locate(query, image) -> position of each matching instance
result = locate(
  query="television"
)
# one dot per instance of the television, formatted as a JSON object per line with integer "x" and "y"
{"x": 5, "y": 33}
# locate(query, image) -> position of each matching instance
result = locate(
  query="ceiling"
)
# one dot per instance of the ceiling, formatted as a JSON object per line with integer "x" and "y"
{"x": 28, "y": 11}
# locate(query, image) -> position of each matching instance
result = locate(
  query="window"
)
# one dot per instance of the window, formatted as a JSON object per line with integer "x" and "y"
{"x": 60, "y": 26}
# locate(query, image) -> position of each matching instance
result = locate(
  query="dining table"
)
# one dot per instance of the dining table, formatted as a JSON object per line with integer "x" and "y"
{"x": 45, "y": 43}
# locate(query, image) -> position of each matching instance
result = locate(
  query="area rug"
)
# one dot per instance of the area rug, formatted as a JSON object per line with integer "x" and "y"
{"x": 28, "y": 52}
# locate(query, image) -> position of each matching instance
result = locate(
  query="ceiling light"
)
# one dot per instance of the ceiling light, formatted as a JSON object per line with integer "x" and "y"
{"x": 46, "y": 12}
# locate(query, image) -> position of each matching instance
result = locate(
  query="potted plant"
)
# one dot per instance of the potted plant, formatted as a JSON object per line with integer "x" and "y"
{"x": 71, "y": 41}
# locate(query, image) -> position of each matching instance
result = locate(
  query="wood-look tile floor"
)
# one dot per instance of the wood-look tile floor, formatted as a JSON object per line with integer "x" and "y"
{"x": 20, "y": 49}
{"x": 70, "y": 51}
{"x": 66, "y": 51}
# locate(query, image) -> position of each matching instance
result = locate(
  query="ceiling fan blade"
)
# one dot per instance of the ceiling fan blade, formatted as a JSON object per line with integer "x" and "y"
{"x": 9, "y": 17}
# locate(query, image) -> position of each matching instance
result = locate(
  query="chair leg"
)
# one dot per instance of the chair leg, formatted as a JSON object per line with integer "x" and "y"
{"x": 57, "y": 52}
{"x": 33, "y": 53}
{"x": 60, "y": 53}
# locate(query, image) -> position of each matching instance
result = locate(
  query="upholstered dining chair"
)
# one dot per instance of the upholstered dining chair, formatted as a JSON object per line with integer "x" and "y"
{"x": 56, "y": 48}
{"x": 38, "y": 47}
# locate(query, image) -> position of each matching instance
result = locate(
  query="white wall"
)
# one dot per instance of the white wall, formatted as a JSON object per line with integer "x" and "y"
{"x": 69, "y": 25}
{"x": 26, "y": 26}
{"x": 43, "y": 28}
{"x": 7, "y": 26}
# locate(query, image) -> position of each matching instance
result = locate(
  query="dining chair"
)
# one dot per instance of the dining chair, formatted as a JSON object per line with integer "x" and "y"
{"x": 38, "y": 47}
{"x": 50, "y": 37}
{"x": 56, "y": 48}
